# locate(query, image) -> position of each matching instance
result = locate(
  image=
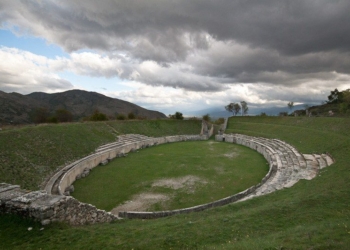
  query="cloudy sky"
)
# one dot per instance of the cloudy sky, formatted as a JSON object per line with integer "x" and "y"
{"x": 178, "y": 55}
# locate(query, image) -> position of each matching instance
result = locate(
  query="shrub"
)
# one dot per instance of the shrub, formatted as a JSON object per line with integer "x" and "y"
{"x": 177, "y": 115}
{"x": 131, "y": 116}
{"x": 97, "y": 116}
{"x": 63, "y": 115}
{"x": 40, "y": 115}
{"x": 193, "y": 118}
{"x": 206, "y": 117}
{"x": 121, "y": 117}
{"x": 219, "y": 121}
{"x": 52, "y": 119}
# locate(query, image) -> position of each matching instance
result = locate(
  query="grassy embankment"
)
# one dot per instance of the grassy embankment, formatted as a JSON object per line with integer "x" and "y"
{"x": 29, "y": 154}
{"x": 311, "y": 215}
{"x": 184, "y": 173}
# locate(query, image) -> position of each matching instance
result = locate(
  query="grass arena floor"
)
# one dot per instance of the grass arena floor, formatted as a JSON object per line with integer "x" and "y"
{"x": 172, "y": 176}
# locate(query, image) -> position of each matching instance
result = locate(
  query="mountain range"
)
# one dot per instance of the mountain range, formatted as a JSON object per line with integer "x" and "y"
{"x": 18, "y": 109}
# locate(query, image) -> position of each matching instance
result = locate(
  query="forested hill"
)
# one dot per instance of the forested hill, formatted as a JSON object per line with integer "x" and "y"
{"x": 18, "y": 109}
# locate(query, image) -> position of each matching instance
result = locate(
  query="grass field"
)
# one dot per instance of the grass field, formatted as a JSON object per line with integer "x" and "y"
{"x": 311, "y": 215}
{"x": 184, "y": 174}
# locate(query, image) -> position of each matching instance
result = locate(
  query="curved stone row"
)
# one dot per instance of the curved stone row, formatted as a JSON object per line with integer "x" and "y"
{"x": 286, "y": 167}
{"x": 292, "y": 166}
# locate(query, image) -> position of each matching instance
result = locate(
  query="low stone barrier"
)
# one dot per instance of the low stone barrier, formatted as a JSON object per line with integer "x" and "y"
{"x": 48, "y": 208}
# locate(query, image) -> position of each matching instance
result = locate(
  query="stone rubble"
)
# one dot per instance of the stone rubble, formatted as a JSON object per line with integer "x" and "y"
{"x": 48, "y": 208}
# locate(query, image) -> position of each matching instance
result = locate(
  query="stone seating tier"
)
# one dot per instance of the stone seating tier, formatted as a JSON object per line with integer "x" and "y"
{"x": 286, "y": 167}
{"x": 292, "y": 165}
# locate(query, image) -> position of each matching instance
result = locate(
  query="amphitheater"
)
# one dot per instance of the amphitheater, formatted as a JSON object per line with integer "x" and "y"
{"x": 286, "y": 167}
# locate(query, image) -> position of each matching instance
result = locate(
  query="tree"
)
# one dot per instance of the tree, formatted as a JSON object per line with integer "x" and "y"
{"x": 290, "y": 105}
{"x": 345, "y": 101}
{"x": 245, "y": 108}
{"x": 206, "y": 117}
{"x": 177, "y": 115}
{"x": 233, "y": 107}
{"x": 335, "y": 96}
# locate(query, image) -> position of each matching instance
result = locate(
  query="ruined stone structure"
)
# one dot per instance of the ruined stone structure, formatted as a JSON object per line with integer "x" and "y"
{"x": 286, "y": 167}
{"x": 207, "y": 130}
{"x": 55, "y": 204}
{"x": 47, "y": 208}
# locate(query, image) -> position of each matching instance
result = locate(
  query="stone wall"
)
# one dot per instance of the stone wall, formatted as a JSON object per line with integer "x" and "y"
{"x": 286, "y": 167}
{"x": 48, "y": 205}
{"x": 47, "y": 208}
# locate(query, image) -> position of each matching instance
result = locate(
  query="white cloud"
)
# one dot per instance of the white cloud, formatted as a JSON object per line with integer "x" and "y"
{"x": 177, "y": 86}
{"x": 25, "y": 72}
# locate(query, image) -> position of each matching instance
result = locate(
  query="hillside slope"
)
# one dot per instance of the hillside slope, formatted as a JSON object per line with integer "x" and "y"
{"x": 18, "y": 109}
{"x": 29, "y": 154}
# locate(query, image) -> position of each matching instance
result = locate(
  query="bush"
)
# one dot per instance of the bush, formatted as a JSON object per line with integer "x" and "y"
{"x": 283, "y": 114}
{"x": 52, "y": 119}
{"x": 177, "y": 115}
{"x": 131, "y": 116}
{"x": 206, "y": 118}
{"x": 41, "y": 115}
{"x": 193, "y": 118}
{"x": 63, "y": 115}
{"x": 121, "y": 117}
{"x": 219, "y": 121}
{"x": 97, "y": 116}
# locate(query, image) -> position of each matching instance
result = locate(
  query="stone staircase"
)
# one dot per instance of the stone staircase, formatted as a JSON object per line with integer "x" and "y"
{"x": 291, "y": 166}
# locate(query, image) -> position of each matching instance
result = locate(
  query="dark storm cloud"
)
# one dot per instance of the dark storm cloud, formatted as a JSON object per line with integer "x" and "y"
{"x": 273, "y": 41}
{"x": 292, "y": 27}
